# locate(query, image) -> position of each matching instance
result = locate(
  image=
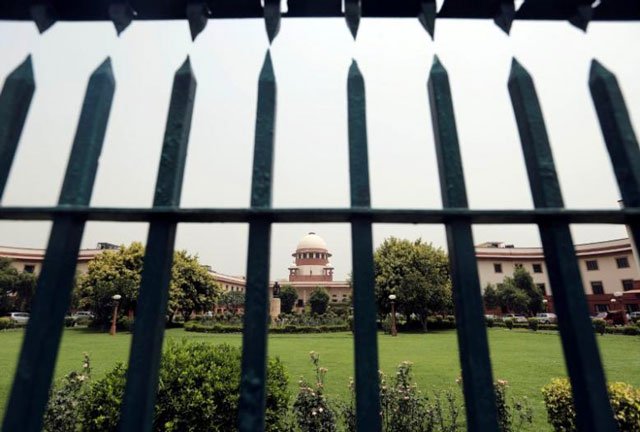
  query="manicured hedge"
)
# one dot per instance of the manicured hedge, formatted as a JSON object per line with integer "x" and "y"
{"x": 6, "y": 323}
{"x": 197, "y": 327}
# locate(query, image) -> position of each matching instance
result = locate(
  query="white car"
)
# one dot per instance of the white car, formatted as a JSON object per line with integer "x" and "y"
{"x": 547, "y": 318}
{"x": 20, "y": 318}
{"x": 515, "y": 318}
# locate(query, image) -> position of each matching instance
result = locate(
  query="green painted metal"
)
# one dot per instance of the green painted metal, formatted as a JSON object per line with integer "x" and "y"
{"x": 364, "y": 304}
{"x": 583, "y": 362}
{"x": 473, "y": 346}
{"x": 619, "y": 137}
{"x": 15, "y": 101}
{"x": 328, "y": 215}
{"x": 146, "y": 347}
{"x": 254, "y": 336}
{"x": 40, "y": 346}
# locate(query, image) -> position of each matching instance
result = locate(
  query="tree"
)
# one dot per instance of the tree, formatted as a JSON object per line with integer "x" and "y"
{"x": 319, "y": 300}
{"x": 119, "y": 272}
{"x": 512, "y": 298}
{"x": 16, "y": 288}
{"x": 490, "y": 297}
{"x": 417, "y": 273}
{"x": 523, "y": 280}
{"x": 232, "y": 300}
{"x": 192, "y": 287}
{"x": 519, "y": 294}
{"x": 288, "y": 297}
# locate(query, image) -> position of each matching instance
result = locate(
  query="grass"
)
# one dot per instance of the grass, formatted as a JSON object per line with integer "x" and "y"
{"x": 525, "y": 359}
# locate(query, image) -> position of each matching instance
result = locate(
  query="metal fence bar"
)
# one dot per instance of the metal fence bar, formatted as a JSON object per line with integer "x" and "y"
{"x": 254, "y": 335}
{"x": 146, "y": 347}
{"x": 473, "y": 345}
{"x": 15, "y": 101}
{"x": 593, "y": 412}
{"x": 40, "y": 346}
{"x": 618, "y": 136}
{"x": 364, "y": 304}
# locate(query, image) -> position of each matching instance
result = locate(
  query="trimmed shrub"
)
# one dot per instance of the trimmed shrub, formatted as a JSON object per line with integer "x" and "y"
{"x": 508, "y": 323}
{"x": 625, "y": 402}
{"x": 6, "y": 323}
{"x": 599, "y": 325}
{"x": 69, "y": 321}
{"x": 319, "y": 300}
{"x": 193, "y": 326}
{"x": 490, "y": 322}
{"x": 533, "y": 324}
{"x": 125, "y": 323}
{"x": 631, "y": 330}
{"x": 199, "y": 390}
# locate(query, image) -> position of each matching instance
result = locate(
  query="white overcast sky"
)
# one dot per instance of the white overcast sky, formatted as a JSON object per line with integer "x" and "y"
{"x": 311, "y": 59}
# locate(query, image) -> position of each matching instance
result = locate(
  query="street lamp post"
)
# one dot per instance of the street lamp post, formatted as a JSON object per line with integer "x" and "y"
{"x": 545, "y": 302}
{"x": 116, "y": 300}
{"x": 394, "y": 330}
{"x": 618, "y": 296}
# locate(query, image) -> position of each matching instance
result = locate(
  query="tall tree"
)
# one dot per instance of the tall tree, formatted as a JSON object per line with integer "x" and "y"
{"x": 523, "y": 280}
{"x": 16, "y": 288}
{"x": 288, "y": 297}
{"x": 417, "y": 273}
{"x": 512, "y": 298}
{"x": 119, "y": 272}
{"x": 490, "y": 297}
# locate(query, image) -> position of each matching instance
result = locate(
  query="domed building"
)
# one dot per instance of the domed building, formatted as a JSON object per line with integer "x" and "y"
{"x": 311, "y": 260}
{"x": 312, "y": 268}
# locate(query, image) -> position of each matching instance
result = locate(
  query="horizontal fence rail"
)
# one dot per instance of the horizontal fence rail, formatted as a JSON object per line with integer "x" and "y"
{"x": 322, "y": 214}
{"x": 37, "y": 359}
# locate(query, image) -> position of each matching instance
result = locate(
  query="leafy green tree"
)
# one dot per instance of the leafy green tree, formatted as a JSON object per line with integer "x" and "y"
{"x": 512, "y": 298}
{"x": 16, "y": 288}
{"x": 232, "y": 301}
{"x": 288, "y": 297}
{"x": 523, "y": 280}
{"x": 192, "y": 287}
{"x": 417, "y": 273}
{"x": 119, "y": 272}
{"x": 490, "y": 297}
{"x": 319, "y": 300}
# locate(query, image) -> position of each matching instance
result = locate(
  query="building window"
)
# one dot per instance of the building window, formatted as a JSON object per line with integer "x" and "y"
{"x": 537, "y": 268}
{"x": 542, "y": 288}
{"x": 497, "y": 267}
{"x": 622, "y": 262}
{"x": 592, "y": 265}
{"x": 602, "y": 308}
{"x": 300, "y": 303}
{"x": 627, "y": 284}
{"x": 29, "y": 268}
{"x": 597, "y": 288}
{"x": 518, "y": 265}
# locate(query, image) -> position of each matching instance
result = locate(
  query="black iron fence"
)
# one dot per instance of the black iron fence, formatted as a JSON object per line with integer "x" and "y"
{"x": 37, "y": 359}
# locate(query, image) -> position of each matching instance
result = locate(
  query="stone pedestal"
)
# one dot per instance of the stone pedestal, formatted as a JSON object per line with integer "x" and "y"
{"x": 274, "y": 309}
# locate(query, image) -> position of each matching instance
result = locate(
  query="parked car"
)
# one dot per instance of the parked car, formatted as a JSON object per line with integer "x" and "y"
{"x": 83, "y": 314}
{"x": 515, "y": 318}
{"x": 612, "y": 317}
{"x": 547, "y": 318}
{"x": 19, "y": 318}
{"x": 634, "y": 316}
{"x": 490, "y": 316}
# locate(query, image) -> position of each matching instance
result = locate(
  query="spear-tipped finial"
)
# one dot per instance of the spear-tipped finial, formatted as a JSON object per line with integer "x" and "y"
{"x": 121, "y": 14}
{"x": 272, "y": 18}
{"x": 582, "y": 16}
{"x": 504, "y": 15}
{"x": 43, "y": 14}
{"x": 352, "y": 13}
{"x": 197, "y": 14}
{"x": 427, "y": 16}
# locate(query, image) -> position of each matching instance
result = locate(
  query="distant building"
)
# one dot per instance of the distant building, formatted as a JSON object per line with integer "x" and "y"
{"x": 311, "y": 268}
{"x": 30, "y": 260}
{"x": 606, "y": 268}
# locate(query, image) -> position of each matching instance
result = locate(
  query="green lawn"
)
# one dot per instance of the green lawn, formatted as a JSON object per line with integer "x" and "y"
{"x": 525, "y": 359}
